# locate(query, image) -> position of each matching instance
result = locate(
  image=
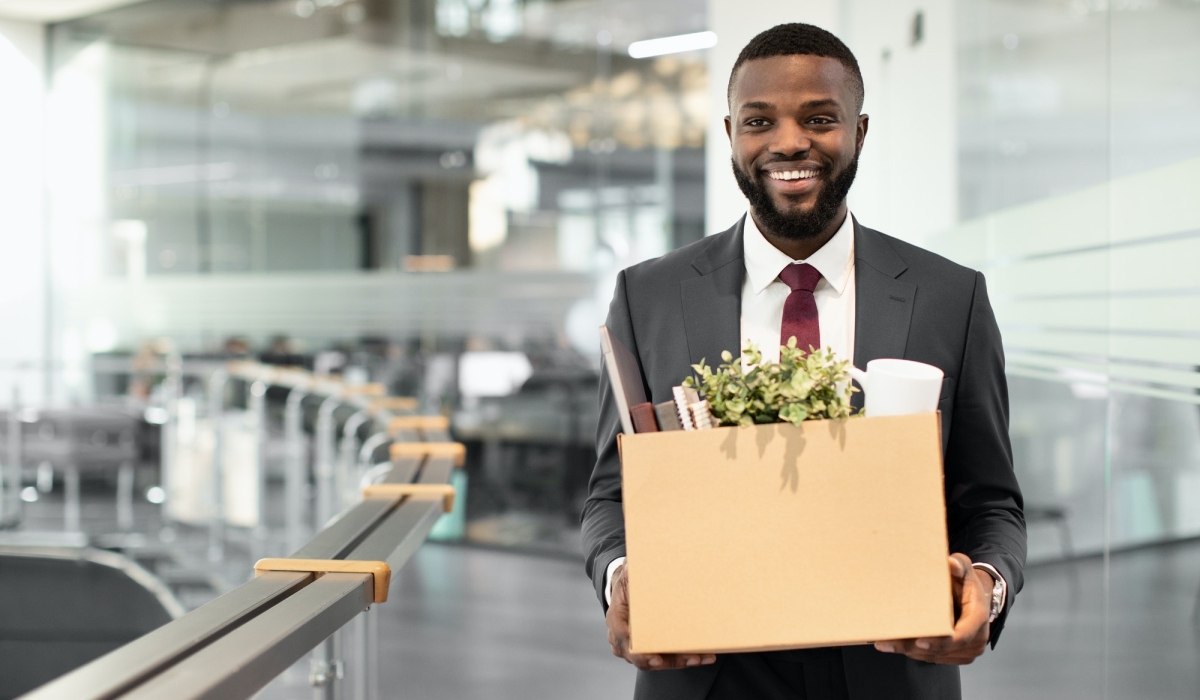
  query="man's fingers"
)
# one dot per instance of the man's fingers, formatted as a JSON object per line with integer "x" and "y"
{"x": 903, "y": 646}
{"x": 617, "y": 620}
{"x": 652, "y": 662}
{"x": 974, "y": 618}
{"x": 971, "y": 625}
{"x": 960, "y": 566}
{"x": 667, "y": 662}
{"x": 688, "y": 660}
{"x": 645, "y": 662}
{"x": 961, "y": 655}
{"x": 970, "y": 634}
{"x": 951, "y": 659}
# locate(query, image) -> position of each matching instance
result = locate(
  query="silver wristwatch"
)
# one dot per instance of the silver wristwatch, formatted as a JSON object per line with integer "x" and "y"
{"x": 999, "y": 590}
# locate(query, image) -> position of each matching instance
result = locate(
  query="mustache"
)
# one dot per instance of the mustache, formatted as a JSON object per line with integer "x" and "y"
{"x": 801, "y": 164}
{"x": 795, "y": 225}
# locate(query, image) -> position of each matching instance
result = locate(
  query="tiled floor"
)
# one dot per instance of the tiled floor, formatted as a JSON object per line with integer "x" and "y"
{"x": 471, "y": 623}
{"x": 466, "y": 623}
{"x": 1060, "y": 643}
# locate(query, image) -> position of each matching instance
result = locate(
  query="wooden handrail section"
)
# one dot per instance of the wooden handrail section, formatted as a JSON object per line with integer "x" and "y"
{"x": 422, "y": 423}
{"x": 456, "y": 450}
{"x": 379, "y": 570}
{"x": 445, "y": 492}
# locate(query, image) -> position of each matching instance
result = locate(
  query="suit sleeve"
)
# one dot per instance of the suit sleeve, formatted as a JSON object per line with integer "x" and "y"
{"x": 603, "y": 513}
{"x": 983, "y": 500}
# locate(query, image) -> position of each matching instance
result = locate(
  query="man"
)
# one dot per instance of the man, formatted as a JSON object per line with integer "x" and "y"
{"x": 798, "y": 264}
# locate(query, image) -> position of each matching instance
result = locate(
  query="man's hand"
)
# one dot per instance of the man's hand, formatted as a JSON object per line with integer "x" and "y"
{"x": 617, "y": 620}
{"x": 972, "y": 604}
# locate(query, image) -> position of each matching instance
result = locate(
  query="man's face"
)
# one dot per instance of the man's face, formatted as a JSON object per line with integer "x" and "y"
{"x": 796, "y": 133}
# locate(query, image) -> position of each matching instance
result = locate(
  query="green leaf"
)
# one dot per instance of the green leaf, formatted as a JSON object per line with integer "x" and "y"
{"x": 801, "y": 386}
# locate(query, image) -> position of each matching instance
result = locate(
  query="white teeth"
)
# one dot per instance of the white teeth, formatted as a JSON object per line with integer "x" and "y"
{"x": 793, "y": 174}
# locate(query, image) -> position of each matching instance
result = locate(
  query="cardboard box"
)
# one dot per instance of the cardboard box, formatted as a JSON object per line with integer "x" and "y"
{"x": 781, "y": 536}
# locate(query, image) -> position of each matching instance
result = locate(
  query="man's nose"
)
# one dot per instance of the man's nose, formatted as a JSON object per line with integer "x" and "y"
{"x": 790, "y": 140}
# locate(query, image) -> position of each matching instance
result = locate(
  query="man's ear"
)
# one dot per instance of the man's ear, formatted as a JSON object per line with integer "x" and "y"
{"x": 729, "y": 130}
{"x": 860, "y": 135}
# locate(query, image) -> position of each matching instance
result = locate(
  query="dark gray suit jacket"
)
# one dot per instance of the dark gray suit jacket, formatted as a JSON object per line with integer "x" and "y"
{"x": 676, "y": 310}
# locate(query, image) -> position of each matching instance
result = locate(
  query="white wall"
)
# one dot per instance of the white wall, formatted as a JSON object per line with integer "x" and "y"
{"x": 907, "y": 178}
{"x": 907, "y": 182}
{"x": 77, "y": 211}
{"x": 22, "y": 263}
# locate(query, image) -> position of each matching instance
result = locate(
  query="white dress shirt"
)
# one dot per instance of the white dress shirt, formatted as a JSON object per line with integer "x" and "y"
{"x": 763, "y": 297}
{"x": 764, "y": 294}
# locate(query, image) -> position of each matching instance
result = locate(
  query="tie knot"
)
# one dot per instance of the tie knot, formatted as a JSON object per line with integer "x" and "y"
{"x": 800, "y": 277}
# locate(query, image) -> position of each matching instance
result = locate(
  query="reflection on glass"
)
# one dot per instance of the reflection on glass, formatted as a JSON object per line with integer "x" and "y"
{"x": 1078, "y": 137}
{"x": 395, "y": 188}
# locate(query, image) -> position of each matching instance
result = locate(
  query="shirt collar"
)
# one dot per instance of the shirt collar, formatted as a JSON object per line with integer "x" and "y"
{"x": 764, "y": 262}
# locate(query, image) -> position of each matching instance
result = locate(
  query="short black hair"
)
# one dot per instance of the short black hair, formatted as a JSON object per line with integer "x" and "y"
{"x": 800, "y": 39}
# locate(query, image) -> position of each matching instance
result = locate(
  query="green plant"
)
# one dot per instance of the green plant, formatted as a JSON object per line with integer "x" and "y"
{"x": 801, "y": 386}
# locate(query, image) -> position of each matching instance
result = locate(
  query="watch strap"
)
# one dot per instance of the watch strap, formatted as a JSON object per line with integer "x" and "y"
{"x": 999, "y": 589}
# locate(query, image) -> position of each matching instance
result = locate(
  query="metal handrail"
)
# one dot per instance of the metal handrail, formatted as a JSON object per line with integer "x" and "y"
{"x": 237, "y": 643}
{"x": 234, "y": 645}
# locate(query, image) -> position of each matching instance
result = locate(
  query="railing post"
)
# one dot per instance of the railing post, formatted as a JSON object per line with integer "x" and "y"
{"x": 71, "y": 505}
{"x": 344, "y": 478}
{"x": 326, "y": 429}
{"x": 172, "y": 391}
{"x": 295, "y": 474}
{"x": 326, "y": 667}
{"x": 216, "y": 411}
{"x": 372, "y": 652}
{"x": 45, "y": 477}
{"x": 366, "y": 455}
{"x": 125, "y": 479}
{"x": 10, "y": 496}
{"x": 257, "y": 405}
{"x": 234, "y": 648}
{"x": 356, "y": 666}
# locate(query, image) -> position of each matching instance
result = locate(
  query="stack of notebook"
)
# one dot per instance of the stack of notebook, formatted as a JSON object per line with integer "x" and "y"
{"x": 686, "y": 410}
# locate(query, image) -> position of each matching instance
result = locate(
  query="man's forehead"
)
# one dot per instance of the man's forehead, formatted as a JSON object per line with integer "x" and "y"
{"x": 793, "y": 78}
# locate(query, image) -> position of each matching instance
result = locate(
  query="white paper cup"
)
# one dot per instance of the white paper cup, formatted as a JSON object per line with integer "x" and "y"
{"x": 901, "y": 387}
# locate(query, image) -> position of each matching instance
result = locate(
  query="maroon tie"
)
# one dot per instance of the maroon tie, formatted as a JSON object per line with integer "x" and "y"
{"x": 800, "y": 309}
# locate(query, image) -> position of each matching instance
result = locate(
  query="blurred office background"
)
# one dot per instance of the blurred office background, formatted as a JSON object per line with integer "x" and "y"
{"x": 436, "y": 195}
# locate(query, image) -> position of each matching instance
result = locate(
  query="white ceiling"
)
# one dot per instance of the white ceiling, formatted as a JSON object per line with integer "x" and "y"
{"x": 55, "y": 10}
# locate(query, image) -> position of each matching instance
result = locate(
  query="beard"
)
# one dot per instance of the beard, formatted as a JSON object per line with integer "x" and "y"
{"x": 797, "y": 226}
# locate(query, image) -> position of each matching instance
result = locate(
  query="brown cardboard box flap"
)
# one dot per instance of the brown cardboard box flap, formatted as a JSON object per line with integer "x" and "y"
{"x": 780, "y": 536}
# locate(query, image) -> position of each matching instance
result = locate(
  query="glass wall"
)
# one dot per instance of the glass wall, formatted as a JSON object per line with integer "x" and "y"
{"x": 397, "y": 185}
{"x": 402, "y": 184}
{"x": 436, "y": 192}
{"x": 1079, "y": 149}
{"x": 1079, "y": 154}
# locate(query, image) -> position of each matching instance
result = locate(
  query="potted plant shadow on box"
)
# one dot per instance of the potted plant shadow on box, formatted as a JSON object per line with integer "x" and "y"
{"x": 766, "y": 468}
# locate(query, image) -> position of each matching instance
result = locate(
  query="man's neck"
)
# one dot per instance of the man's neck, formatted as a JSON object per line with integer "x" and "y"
{"x": 803, "y": 249}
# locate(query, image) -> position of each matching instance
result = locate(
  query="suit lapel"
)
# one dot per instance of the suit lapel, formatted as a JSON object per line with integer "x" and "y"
{"x": 883, "y": 304}
{"x": 712, "y": 302}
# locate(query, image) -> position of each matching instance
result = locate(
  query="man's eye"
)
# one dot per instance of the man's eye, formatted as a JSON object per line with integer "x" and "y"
{"x": 820, "y": 120}
{"x": 757, "y": 122}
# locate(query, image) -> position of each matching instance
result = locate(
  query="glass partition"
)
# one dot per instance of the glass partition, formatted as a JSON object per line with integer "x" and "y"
{"x": 1079, "y": 149}
{"x": 380, "y": 187}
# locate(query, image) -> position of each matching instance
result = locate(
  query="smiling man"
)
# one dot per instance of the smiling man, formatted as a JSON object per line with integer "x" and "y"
{"x": 798, "y": 264}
